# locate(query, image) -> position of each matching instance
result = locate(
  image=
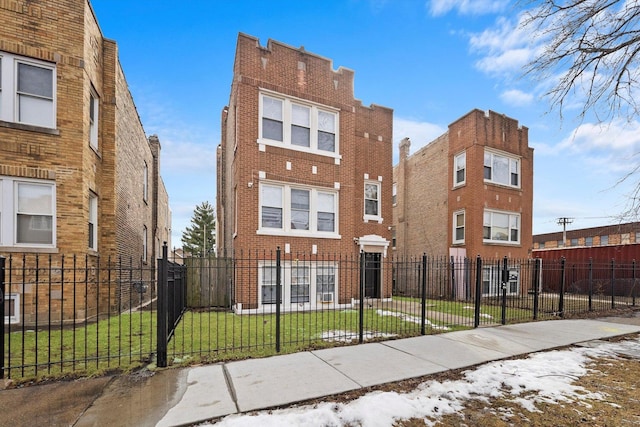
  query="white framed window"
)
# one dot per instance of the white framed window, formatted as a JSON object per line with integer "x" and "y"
{"x": 300, "y": 284}
{"x": 298, "y": 210}
{"x": 372, "y": 197}
{"x": 94, "y": 105}
{"x": 11, "y": 308}
{"x": 501, "y": 169}
{"x": 93, "y": 221}
{"x": 460, "y": 169}
{"x": 27, "y": 212}
{"x": 298, "y": 125}
{"x": 458, "y": 227}
{"x": 492, "y": 280}
{"x": 27, "y": 91}
{"x": 145, "y": 182}
{"x": 267, "y": 278}
{"x": 299, "y": 281}
{"x": 501, "y": 227}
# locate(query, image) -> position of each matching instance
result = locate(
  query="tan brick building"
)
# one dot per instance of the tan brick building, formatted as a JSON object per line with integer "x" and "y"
{"x": 303, "y": 166}
{"x": 467, "y": 193}
{"x": 78, "y": 175}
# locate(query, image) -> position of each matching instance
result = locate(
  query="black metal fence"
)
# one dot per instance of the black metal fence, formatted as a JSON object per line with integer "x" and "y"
{"x": 75, "y": 315}
{"x": 80, "y": 316}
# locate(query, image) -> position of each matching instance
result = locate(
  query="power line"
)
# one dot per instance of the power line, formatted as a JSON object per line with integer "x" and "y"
{"x": 563, "y": 221}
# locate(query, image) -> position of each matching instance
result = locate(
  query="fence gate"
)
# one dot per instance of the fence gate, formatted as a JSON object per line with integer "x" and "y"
{"x": 172, "y": 301}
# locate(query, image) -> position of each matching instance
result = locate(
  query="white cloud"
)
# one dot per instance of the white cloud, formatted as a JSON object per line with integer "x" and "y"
{"x": 620, "y": 136}
{"x": 420, "y": 133}
{"x": 506, "y": 47}
{"x": 516, "y": 98}
{"x": 466, "y": 7}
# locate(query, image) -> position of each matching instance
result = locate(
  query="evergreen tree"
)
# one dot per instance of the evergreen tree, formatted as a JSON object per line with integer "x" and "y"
{"x": 203, "y": 223}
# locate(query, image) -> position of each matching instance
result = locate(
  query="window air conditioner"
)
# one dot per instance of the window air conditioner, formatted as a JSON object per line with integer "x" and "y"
{"x": 327, "y": 297}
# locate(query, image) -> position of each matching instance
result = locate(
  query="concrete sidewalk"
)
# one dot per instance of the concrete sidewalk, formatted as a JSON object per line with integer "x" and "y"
{"x": 175, "y": 397}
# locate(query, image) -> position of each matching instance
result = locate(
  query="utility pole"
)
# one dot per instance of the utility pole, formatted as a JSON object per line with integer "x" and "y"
{"x": 563, "y": 222}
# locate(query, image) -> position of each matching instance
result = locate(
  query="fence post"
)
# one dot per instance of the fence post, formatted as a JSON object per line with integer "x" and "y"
{"x": 633, "y": 289}
{"x": 505, "y": 279}
{"x": 613, "y": 283}
{"x": 476, "y": 317}
{"x": 562, "y": 280}
{"x": 3, "y": 294}
{"x": 590, "y": 284}
{"x": 423, "y": 295}
{"x": 537, "y": 272}
{"x": 278, "y": 298}
{"x": 163, "y": 308}
{"x": 361, "y": 313}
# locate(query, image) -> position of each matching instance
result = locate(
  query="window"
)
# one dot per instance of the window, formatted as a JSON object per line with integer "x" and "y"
{"x": 27, "y": 212}
{"x": 501, "y": 227}
{"x": 145, "y": 182}
{"x": 271, "y": 206}
{"x": 492, "y": 281}
{"x": 144, "y": 243}
{"x": 394, "y": 194}
{"x": 93, "y": 119}
{"x": 541, "y": 245}
{"x": 588, "y": 241}
{"x": 297, "y": 125}
{"x": 300, "y": 284}
{"x": 299, "y": 281}
{"x": 371, "y": 200}
{"x": 325, "y": 283}
{"x": 93, "y": 221}
{"x": 459, "y": 174}
{"x": 500, "y": 169}
{"x": 637, "y": 237}
{"x": 300, "y": 209}
{"x": 297, "y": 210}
{"x": 604, "y": 240}
{"x": 27, "y": 91}
{"x": 12, "y": 308}
{"x": 458, "y": 227}
{"x": 326, "y": 212}
{"x": 268, "y": 284}
{"x": 394, "y": 237}
{"x": 34, "y": 213}
{"x": 574, "y": 242}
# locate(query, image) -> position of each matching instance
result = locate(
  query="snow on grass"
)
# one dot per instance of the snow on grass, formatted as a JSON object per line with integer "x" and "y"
{"x": 542, "y": 377}
{"x": 348, "y": 336}
{"x": 409, "y": 318}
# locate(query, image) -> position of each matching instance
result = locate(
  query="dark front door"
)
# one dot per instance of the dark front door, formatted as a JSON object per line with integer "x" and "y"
{"x": 372, "y": 275}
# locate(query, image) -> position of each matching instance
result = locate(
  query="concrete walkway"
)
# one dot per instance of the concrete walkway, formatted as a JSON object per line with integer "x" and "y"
{"x": 176, "y": 397}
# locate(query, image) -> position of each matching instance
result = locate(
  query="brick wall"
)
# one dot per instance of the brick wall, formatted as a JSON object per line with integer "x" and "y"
{"x": 66, "y": 35}
{"x": 365, "y": 147}
{"x": 427, "y": 197}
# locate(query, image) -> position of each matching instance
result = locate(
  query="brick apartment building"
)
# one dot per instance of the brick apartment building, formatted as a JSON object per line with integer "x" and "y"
{"x": 78, "y": 176}
{"x": 303, "y": 166}
{"x": 467, "y": 193}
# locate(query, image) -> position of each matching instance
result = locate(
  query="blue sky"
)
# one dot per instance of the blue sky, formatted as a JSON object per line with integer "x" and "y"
{"x": 430, "y": 61}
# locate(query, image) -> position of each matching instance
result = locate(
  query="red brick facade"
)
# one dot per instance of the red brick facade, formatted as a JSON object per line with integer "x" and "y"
{"x": 429, "y": 195}
{"x": 253, "y": 166}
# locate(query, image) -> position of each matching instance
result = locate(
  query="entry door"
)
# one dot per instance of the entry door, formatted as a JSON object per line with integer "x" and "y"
{"x": 372, "y": 274}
